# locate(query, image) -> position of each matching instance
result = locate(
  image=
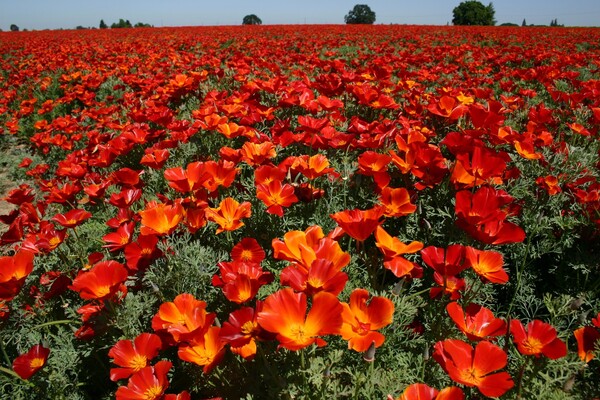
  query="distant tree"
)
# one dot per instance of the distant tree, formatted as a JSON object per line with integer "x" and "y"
{"x": 251, "y": 20}
{"x": 121, "y": 24}
{"x": 472, "y": 12}
{"x": 79, "y": 27}
{"x": 554, "y": 22}
{"x": 14, "y": 28}
{"x": 509, "y": 24}
{"x": 524, "y": 22}
{"x": 142, "y": 25}
{"x": 360, "y": 14}
{"x": 103, "y": 24}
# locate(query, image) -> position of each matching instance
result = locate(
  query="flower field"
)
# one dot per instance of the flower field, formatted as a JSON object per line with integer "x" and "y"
{"x": 301, "y": 212}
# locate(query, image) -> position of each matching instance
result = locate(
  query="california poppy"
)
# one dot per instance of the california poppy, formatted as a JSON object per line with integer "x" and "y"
{"x": 184, "y": 318}
{"x": 160, "y": 219}
{"x": 205, "y": 349}
{"x": 31, "y": 362}
{"x": 276, "y": 196}
{"x": 101, "y": 282}
{"x": 241, "y": 281}
{"x": 362, "y": 317}
{"x": 247, "y": 250}
{"x": 474, "y": 366}
{"x": 487, "y": 264}
{"x": 396, "y": 202}
{"x": 359, "y": 223}
{"x": 229, "y": 214}
{"x": 133, "y": 356}
{"x": 72, "y": 218}
{"x": 149, "y": 383}
{"x": 476, "y": 322}
{"x": 421, "y": 391}
{"x": 322, "y": 275}
{"x": 538, "y": 338}
{"x": 587, "y": 337}
{"x": 284, "y": 313}
{"x": 13, "y": 272}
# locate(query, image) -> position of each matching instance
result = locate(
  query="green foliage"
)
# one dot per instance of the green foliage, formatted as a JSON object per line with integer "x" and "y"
{"x": 473, "y": 12}
{"x": 102, "y": 24}
{"x": 121, "y": 24}
{"x": 360, "y": 14}
{"x": 251, "y": 19}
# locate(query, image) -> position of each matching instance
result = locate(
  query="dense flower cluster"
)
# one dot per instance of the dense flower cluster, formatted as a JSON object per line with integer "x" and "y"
{"x": 351, "y": 176}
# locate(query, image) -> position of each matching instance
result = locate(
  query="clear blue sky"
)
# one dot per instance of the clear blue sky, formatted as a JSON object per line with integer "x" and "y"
{"x": 53, "y": 14}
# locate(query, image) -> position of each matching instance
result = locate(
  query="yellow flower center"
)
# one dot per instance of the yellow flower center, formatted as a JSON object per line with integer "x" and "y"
{"x": 470, "y": 377}
{"x": 138, "y": 362}
{"x": 153, "y": 393}
{"x": 37, "y": 363}
{"x": 248, "y": 327}
{"x": 532, "y": 346}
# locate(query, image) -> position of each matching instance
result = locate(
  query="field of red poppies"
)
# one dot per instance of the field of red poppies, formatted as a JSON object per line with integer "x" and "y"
{"x": 301, "y": 212}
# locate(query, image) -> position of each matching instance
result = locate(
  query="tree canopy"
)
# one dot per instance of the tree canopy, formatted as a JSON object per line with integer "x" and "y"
{"x": 14, "y": 28}
{"x": 473, "y": 12}
{"x": 360, "y": 14}
{"x": 251, "y": 20}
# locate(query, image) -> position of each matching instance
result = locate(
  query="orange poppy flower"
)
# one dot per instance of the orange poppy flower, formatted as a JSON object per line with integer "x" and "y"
{"x": 477, "y": 322}
{"x": 359, "y": 224}
{"x": 474, "y": 367}
{"x": 362, "y": 317}
{"x": 312, "y": 167}
{"x": 421, "y": 391}
{"x": 184, "y": 318}
{"x": 284, "y": 313}
{"x": 101, "y": 282}
{"x": 133, "y": 356}
{"x": 205, "y": 350}
{"x": 256, "y": 154}
{"x": 303, "y": 248}
{"x": 539, "y": 338}
{"x": 396, "y": 202}
{"x": 229, "y": 214}
{"x": 31, "y": 362}
{"x": 391, "y": 246}
{"x": 487, "y": 264}
{"x": 587, "y": 337}
{"x": 276, "y": 196}
{"x": 149, "y": 383}
{"x": 13, "y": 272}
{"x": 220, "y": 173}
{"x": 160, "y": 219}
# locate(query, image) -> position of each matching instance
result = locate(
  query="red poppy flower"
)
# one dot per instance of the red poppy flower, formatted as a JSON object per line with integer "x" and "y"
{"x": 322, "y": 275}
{"x": 284, "y": 313}
{"x": 184, "y": 318}
{"x": 477, "y": 322}
{"x": 474, "y": 367}
{"x": 118, "y": 240}
{"x": 31, "y": 362}
{"x": 72, "y": 218}
{"x": 218, "y": 174}
{"x": 133, "y": 356}
{"x": 229, "y": 214}
{"x": 482, "y": 215}
{"x": 241, "y": 281}
{"x": 242, "y": 330}
{"x": 248, "y": 250}
{"x": 537, "y": 339}
{"x": 141, "y": 253}
{"x": 447, "y": 262}
{"x": 587, "y": 337}
{"x": 359, "y": 224}
{"x": 363, "y": 317}
{"x": 149, "y": 383}
{"x": 101, "y": 282}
